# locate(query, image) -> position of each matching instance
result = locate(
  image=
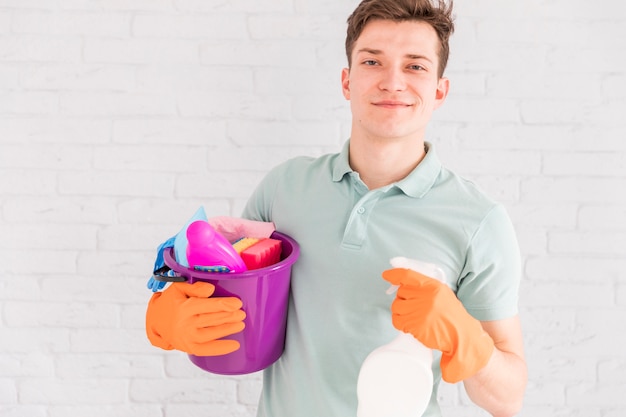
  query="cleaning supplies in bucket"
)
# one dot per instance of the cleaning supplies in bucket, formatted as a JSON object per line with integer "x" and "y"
{"x": 231, "y": 228}
{"x": 207, "y": 250}
{"x": 396, "y": 379}
{"x": 264, "y": 293}
{"x": 257, "y": 271}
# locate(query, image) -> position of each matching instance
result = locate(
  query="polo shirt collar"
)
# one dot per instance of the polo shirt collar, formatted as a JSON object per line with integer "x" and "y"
{"x": 342, "y": 163}
{"x": 423, "y": 177}
{"x": 416, "y": 184}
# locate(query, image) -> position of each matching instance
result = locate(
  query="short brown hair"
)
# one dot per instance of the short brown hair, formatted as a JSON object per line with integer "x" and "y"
{"x": 436, "y": 13}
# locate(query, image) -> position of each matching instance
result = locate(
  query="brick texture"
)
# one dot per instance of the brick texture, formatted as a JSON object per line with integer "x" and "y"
{"x": 118, "y": 118}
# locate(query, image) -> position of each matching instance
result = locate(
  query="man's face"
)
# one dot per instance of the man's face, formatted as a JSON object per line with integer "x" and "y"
{"x": 393, "y": 84}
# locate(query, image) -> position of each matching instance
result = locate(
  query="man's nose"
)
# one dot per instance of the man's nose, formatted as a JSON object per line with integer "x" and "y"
{"x": 393, "y": 79}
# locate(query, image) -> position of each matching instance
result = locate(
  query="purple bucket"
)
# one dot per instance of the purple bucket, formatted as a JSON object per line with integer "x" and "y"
{"x": 264, "y": 293}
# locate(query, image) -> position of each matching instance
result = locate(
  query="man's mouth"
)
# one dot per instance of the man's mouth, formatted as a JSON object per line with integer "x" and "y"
{"x": 391, "y": 104}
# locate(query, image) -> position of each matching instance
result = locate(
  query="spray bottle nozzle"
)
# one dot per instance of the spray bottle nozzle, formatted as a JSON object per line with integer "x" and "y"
{"x": 428, "y": 269}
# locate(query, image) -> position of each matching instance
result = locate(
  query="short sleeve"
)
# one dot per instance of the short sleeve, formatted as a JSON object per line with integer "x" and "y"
{"x": 489, "y": 284}
{"x": 259, "y": 205}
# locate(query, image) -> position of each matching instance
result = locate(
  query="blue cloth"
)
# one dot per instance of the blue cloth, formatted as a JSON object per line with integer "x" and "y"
{"x": 179, "y": 243}
{"x": 159, "y": 263}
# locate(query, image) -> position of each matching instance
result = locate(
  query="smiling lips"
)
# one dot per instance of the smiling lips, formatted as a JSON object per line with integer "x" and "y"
{"x": 391, "y": 104}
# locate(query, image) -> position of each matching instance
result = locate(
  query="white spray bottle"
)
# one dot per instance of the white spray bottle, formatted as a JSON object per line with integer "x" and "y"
{"x": 396, "y": 379}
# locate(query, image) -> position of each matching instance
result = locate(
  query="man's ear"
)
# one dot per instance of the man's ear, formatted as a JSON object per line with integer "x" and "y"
{"x": 443, "y": 86}
{"x": 345, "y": 82}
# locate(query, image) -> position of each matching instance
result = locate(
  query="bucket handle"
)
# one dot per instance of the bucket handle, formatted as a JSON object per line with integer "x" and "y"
{"x": 165, "y": 274}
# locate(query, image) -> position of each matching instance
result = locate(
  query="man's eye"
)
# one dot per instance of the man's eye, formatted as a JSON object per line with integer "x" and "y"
{"x": 417, "y": 67}
{"x": 370, "y": 62}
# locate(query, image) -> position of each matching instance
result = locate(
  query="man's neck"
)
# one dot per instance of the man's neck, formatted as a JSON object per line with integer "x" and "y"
{"x": 383, "y": 162}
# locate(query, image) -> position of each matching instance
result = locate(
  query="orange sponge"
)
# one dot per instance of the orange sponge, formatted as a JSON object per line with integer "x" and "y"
{"x": 264, "y": 253}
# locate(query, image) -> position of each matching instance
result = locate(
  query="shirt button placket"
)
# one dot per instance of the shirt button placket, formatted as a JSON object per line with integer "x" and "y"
{"x": 356, "y": 229}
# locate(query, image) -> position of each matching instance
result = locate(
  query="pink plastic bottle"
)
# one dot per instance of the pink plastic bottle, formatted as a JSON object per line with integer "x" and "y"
{"x": 207, "y": 248}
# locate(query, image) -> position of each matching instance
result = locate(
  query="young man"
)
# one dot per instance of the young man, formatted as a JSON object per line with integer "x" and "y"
{"x": 385, "y": 194}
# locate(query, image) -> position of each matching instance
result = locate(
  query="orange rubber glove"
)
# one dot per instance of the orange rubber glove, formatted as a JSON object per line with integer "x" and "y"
{"x": 430, "y": 311}
{"x": 184, "y": 317}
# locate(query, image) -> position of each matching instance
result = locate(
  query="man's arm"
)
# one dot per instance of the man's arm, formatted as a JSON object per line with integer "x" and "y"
{"x": 486, "y": 355}
{"x": 499, "y": 387}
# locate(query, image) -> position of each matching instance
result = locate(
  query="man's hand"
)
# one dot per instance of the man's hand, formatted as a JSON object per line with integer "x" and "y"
{"x": 186, "y": 318}
{"x": 430, "y": 311}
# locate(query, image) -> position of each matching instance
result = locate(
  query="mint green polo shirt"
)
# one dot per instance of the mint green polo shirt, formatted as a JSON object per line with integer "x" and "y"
{"x": 338, "y": 309}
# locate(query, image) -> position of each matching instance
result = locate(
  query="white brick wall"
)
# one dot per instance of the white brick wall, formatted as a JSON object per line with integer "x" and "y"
{"x": 118, "y": 118}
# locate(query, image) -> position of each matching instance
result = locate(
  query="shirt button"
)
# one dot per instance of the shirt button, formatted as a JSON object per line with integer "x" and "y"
{"x": 360, "y": 210}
